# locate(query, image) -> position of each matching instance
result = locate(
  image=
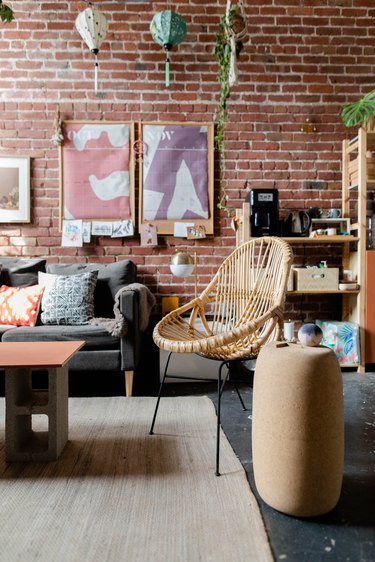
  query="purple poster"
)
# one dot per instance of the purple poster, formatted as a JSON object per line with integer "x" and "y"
{"x": 175, "y": 172}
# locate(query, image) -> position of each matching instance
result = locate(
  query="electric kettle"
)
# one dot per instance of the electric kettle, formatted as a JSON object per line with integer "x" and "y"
{"x": 298, "y": 223}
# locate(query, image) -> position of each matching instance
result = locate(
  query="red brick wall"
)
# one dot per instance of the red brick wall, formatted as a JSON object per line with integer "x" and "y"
{"x": 303, "y": 60}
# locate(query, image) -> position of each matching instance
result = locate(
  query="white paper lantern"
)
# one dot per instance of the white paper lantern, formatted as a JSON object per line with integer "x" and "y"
{"x": 92, "y": 26}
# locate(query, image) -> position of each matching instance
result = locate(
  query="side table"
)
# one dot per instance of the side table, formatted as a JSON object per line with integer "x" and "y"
{"x": 298, "y": 428}
{"x": 22, "y": 401}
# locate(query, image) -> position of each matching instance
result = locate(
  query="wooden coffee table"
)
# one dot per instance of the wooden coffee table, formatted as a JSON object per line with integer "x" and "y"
{"x": 22, "y": 402}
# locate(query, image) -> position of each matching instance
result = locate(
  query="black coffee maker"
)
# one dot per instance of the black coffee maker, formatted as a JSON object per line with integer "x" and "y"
{"x": 264, "y": 212}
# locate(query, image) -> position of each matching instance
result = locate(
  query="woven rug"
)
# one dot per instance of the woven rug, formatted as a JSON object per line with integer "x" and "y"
{"x": 118, "y": 494}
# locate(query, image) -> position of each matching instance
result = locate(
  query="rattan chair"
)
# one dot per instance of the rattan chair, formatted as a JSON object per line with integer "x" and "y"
{"x": 239, "y": 312}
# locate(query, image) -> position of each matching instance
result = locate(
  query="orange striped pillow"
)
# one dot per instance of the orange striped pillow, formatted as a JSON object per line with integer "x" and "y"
{"x": 19, "y": 306}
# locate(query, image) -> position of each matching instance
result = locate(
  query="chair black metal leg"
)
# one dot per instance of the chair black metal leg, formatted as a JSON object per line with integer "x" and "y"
{"x": 239, "y": 396}
{"x": 151, "y": 432}
{"x": 220, "y": 388}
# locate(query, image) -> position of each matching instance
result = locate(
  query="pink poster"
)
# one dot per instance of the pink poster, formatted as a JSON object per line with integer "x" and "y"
{"x": 97, "y": 183}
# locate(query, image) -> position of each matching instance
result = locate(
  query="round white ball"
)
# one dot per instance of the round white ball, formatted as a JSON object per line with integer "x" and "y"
{"x": 310, "y": 335}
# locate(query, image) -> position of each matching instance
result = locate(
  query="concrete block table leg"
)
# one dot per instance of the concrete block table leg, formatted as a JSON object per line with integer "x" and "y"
{"x": 22, "y": 402}
{"x": 58, "y": 411}
{"x": 18, "y": 391}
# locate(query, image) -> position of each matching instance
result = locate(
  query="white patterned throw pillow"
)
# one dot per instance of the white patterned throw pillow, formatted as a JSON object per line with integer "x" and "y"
{"x": 68, "y": 299}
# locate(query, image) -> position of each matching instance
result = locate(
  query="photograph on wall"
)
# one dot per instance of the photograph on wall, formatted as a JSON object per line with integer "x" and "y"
{"x": 14, "y": 189}
{"x": 176, "y": 175}
{"x": 97, "y": 172}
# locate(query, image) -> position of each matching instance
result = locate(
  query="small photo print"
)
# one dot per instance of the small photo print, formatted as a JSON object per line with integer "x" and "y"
{"x": 72, "y": 234}
{"x": 122, "y": 228}
{"x": 86, "y": 231}
{"x": 148, "y": 234}
{"x": 196, "y": 231}
{"x": 101, "y": 228}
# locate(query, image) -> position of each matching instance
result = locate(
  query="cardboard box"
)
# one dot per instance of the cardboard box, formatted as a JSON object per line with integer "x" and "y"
{"x": 316, "y": 279}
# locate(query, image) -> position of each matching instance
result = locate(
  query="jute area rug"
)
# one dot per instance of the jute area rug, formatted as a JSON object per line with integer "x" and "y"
{"x": 119, "y": 494}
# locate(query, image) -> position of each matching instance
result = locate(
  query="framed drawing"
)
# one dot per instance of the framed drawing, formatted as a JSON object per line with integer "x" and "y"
{"x": 97, "y": 171}
{"x": 176, "y": 175}
{"x": 14, "y": 189}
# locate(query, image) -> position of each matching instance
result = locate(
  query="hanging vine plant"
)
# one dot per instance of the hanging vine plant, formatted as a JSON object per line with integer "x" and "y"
{"x": 6, "y": 13}
{"x": 228, "y": 46}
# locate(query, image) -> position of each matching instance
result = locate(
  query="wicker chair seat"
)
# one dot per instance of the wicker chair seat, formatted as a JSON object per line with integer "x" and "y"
{"x": 244, "y": 303}
{"x": 222, "y": 341}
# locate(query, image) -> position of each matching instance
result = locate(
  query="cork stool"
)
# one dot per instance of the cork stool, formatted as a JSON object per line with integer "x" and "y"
{"x": 298, "y": 428}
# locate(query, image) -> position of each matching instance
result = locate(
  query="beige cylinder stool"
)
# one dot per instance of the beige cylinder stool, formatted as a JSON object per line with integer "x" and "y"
{"x": 298, "y": 428}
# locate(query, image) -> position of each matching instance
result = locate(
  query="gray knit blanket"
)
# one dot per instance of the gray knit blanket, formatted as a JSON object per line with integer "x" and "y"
{"x": 117, "y": 326}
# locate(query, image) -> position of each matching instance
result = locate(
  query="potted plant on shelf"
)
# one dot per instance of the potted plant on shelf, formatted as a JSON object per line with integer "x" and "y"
{"x": 360, "y": 113}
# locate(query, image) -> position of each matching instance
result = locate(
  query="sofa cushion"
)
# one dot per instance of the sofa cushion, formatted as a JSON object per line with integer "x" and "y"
{"x": 5, "y": 328}
{"x": 19, "y": 306}
{"x": 96, "y": 338}
{"x": 111, "y": 278}
{"x": 68, "y": 299}
{"x": 20, "y": 272}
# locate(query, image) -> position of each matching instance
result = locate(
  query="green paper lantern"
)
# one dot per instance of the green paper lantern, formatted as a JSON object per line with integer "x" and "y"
{"x": 167, "y": 29}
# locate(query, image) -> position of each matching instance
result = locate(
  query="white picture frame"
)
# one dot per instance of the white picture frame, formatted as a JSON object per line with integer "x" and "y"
{"x": 14, "y": 189}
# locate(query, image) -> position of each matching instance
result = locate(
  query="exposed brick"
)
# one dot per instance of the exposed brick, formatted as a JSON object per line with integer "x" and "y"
{"x": 299, "y": 62}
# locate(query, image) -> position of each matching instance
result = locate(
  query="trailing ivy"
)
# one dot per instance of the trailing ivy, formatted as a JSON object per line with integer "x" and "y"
{"x": 6, "y": 13}
{"x": 222, "y": 53}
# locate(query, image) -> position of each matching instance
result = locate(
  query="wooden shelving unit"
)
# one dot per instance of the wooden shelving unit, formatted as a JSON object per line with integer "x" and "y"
{"x": 354, "y": 244}
{"x": 358, "y": 176}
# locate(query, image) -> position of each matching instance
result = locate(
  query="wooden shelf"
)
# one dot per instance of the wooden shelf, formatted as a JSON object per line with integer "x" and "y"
{"x": 370, "y": 185}
{"x": 334, "y": 291}
{"x": 323, "y": 239}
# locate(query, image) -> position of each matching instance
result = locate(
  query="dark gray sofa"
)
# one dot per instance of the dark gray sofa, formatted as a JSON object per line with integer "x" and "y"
{"x": 102, "y": 351}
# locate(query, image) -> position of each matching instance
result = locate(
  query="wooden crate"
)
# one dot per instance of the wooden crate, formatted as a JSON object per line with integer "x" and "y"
{"x": 316, "y": 278}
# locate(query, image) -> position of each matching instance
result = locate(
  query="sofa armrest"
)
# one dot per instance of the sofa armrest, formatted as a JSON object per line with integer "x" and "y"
{"x": 130, "y": 344}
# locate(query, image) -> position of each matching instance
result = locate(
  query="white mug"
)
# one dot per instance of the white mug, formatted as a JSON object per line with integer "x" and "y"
{"x": 331, "y": 231}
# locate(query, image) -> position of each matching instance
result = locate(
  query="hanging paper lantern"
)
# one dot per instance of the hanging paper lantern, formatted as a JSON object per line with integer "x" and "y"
{"x": 168, "y": 29}
{"x": 93, "y": 27}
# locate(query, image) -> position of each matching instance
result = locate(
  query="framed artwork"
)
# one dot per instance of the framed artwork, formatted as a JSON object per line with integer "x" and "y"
{"x": 176, "y": 175}
{"x": 97, "y": 171}
{"x": 14, "y": 189}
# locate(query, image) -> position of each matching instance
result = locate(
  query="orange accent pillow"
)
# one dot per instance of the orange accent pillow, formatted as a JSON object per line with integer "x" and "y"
{"x": 19, "y": 306}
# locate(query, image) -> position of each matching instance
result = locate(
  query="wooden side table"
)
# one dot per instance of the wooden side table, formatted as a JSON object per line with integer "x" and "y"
{"x": 19, "y": 359}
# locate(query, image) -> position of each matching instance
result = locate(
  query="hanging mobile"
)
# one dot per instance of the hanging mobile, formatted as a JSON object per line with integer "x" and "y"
{"x": 167, "y": 29}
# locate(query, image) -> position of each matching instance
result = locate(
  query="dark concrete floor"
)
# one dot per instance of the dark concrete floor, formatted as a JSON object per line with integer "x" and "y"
{"x": 347, "y": 533}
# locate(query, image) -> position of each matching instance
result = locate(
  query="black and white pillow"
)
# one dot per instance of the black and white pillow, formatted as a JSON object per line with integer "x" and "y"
{"x": 68, "y": 299}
